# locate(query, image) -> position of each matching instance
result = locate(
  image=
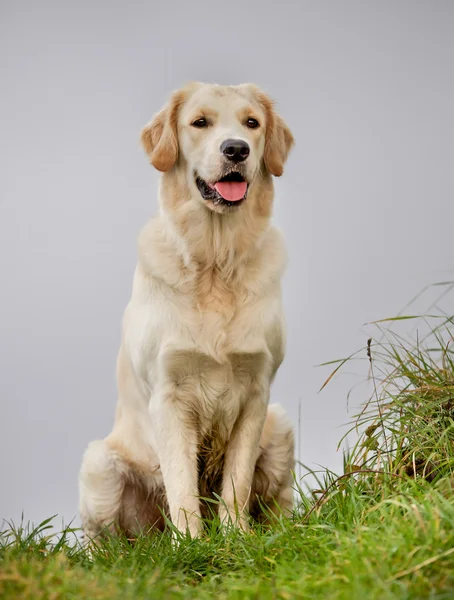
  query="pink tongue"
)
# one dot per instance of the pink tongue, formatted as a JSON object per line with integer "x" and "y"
{"x": 231, "y": 190}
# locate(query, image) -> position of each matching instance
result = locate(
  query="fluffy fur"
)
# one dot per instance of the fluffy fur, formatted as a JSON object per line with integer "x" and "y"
{"x": 203, "y": 334}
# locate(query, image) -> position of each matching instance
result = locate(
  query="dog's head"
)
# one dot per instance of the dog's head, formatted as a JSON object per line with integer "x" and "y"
{"x": 222, "y": 137}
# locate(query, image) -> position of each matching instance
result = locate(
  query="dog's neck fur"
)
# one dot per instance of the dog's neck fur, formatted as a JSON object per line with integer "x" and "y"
{"x": 211, "y": 241}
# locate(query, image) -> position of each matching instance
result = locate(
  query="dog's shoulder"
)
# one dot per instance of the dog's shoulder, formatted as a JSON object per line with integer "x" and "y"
{"x": 159, "y": 253}
{"x": 273, "y": 247}
{"x": 269, "y": 262}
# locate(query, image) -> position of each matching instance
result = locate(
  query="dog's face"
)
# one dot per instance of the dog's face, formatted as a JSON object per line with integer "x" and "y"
{"x": 223, "y": 137}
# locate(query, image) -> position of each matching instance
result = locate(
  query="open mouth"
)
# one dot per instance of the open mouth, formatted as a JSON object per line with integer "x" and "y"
{"x": 231, "y": 190}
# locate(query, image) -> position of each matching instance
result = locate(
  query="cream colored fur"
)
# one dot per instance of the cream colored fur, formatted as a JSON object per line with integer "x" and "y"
{"x": 203, "y": 334}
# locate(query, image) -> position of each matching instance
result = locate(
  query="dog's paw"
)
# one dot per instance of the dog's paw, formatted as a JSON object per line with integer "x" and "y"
{"x": 231, "y": 520}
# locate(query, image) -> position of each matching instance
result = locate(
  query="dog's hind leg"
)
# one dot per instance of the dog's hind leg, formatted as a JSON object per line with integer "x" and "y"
{"x": 273, "y": 476}
{"x": 101, "y": 483}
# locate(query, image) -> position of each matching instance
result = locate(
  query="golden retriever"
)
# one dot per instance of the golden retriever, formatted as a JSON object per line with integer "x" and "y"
{"x": 203, "y": 334}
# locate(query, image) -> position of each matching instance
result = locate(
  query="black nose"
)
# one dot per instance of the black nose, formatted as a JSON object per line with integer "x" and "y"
{"x": 235, "y": 150}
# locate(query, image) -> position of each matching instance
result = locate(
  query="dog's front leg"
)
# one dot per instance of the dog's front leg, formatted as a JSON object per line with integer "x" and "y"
{"x": 240, "y": 459}
{"x": 177, "y": 442}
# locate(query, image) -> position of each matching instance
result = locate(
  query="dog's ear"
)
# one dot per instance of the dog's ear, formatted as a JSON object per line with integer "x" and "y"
{"x": 278, "y": 143}
{"x": 278, "y": 137}
{"x": 160, "y": 136}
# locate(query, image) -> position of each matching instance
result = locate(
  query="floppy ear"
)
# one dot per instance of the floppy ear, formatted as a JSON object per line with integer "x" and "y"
{"x": 160, "y": 136}
{"x": 278, "y": 143}
{"x": 278, "y": 138}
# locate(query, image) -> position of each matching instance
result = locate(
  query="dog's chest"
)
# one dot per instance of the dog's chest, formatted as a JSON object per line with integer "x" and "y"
{"x": 220, "y": 307}
{"x": 210, "y": 391}
{"x": 227, "y": 359}
{"x": 214, "y": 295}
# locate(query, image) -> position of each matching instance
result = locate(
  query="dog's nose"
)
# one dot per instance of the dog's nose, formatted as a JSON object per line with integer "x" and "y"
{"x": 235, "y": 150}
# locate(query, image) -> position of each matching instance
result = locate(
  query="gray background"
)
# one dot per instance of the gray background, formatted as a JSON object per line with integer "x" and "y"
{"x": 365, "y": 203}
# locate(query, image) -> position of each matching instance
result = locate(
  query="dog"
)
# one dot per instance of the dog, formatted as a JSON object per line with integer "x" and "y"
{"x": 203, "y": 334}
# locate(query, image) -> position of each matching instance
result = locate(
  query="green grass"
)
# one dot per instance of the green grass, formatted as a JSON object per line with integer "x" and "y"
{"x": 382, "y": 529}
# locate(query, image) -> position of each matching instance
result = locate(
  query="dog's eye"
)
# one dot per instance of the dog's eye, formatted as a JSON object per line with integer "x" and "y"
{"x": 252, "y": 123}
{"x": 199, "y": 123}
